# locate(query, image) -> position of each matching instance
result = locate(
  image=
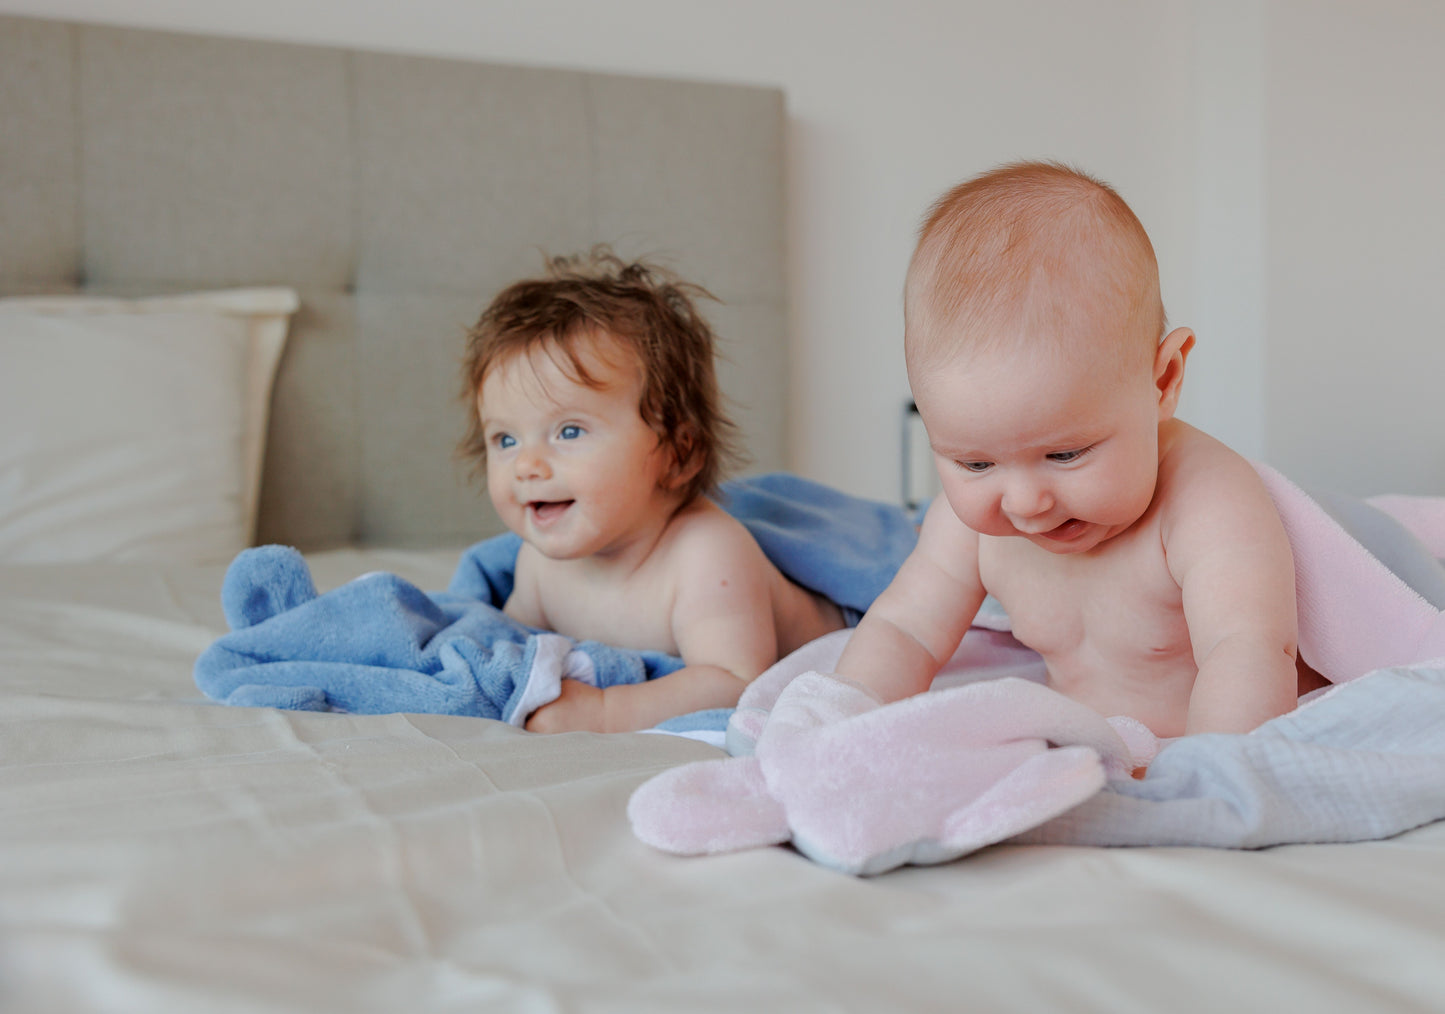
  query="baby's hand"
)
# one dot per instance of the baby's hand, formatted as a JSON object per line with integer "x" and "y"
{"x": 577, "y": 709}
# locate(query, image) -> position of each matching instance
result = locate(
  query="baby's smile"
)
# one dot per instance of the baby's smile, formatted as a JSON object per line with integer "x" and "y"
{"x": 1066, "y": 532}
{"x": 546, "y": 511}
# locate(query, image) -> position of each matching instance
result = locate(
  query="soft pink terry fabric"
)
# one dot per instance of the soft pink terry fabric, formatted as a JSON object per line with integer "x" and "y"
{"x": 863, "y": 788}
{"x": 707, "y": 807}
{"x": 845, "y": 804}
{"x": 1355, "y": 615}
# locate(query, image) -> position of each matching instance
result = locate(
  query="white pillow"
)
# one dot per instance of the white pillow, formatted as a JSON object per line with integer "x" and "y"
{"x": 135, "y": 429}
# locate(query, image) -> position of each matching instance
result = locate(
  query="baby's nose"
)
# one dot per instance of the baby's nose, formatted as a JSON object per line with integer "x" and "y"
{"x": 532, "y": 464}
{"x": 1027, "y": 499}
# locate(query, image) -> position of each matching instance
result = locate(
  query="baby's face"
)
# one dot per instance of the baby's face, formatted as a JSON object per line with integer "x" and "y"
{"x": 572, "y": 469}
{"x": 1056, "y": 446}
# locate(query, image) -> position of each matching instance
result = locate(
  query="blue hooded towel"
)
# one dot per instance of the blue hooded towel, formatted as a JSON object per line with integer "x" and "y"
{"x": 379, "y": 644}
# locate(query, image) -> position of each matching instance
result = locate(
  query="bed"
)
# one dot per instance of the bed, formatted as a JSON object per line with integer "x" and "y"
{"x": 332, "y": 221}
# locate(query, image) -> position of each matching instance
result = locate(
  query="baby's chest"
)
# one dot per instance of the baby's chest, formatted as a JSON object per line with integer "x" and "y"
{"x": 624, "y": 617}
{"x": 1116, "y": 606}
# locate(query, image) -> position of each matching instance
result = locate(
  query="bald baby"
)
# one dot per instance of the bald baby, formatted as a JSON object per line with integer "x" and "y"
{"x": 1141, "y": 558}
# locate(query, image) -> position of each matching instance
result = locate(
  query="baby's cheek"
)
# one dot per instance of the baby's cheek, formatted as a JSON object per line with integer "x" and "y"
{"x": 969, "y": 511}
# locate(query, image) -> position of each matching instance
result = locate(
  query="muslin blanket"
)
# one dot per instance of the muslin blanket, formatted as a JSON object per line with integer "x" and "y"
{"x": 379, "y": 644}
{"x": 991, "y": 754}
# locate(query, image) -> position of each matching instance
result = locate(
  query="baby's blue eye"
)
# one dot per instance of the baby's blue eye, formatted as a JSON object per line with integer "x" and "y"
{"x": 974, "y": 466}
{"x": 504, "y": 441}
{"x": 1064, "y": 457}
{"x": 570, "y": 432}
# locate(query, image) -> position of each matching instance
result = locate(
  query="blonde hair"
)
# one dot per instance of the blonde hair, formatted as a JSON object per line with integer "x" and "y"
{"x": 646, "y": 309}
{"x": 1004, "y": 241}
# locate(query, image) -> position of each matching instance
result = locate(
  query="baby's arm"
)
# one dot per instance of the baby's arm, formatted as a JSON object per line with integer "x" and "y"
{"x": 524, "y": 604}
{"x": 722, "y": 622}
{"x": 1228, "y": 550}
{"x": 915, "y": 626}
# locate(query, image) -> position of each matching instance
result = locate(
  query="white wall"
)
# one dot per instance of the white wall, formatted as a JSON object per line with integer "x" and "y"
{"x": 1282, "y": 154}
{"x": 1356, "y": 226}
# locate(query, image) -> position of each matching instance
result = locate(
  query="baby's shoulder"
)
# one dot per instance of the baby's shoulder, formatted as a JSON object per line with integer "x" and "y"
{"x": 1194, "y": 463}
{"x": 1203, "y": 479}
{"x": 703, "y": 534}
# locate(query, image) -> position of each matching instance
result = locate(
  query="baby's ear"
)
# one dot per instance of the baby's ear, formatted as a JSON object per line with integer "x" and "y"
{"x": 1169, "y": 369}
{"x": 685, "y": 452}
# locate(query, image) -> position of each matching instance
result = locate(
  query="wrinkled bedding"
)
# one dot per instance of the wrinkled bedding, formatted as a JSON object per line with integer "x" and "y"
{"x": 162, "y": 853}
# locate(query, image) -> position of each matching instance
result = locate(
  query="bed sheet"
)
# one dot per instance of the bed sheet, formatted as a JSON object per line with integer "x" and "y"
{"x": 162, "y": 853}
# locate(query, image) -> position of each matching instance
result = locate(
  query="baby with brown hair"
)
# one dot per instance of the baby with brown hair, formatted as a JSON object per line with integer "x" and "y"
{"x": 1143, "y": 559}
{"x": 600, "y": 426}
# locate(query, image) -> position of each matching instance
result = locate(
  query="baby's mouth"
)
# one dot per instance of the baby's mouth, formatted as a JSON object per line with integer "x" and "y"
{"x": 1066, "y": 532}
{"x": 545, "y": 511}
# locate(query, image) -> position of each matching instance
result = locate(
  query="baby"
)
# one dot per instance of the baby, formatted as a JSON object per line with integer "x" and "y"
{"x": 1141, "y": 558}
{"x": 599, "y": 421}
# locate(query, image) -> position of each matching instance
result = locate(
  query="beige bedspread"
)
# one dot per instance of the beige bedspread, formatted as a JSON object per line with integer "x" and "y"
{"x": 161, "y": 853}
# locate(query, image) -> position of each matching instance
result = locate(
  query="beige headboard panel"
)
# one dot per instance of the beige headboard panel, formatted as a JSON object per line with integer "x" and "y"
{"x": 396, "y": 194}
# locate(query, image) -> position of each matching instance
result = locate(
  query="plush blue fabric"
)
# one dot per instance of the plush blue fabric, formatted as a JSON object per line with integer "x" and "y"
{"x": 379, "y": 644}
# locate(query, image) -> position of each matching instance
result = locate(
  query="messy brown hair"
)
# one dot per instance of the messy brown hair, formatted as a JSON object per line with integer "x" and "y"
{"x": 651, "y": 312}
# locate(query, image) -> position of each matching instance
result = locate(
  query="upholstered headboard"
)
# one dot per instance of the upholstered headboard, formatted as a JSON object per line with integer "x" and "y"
{"x": 396, "y": 194}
